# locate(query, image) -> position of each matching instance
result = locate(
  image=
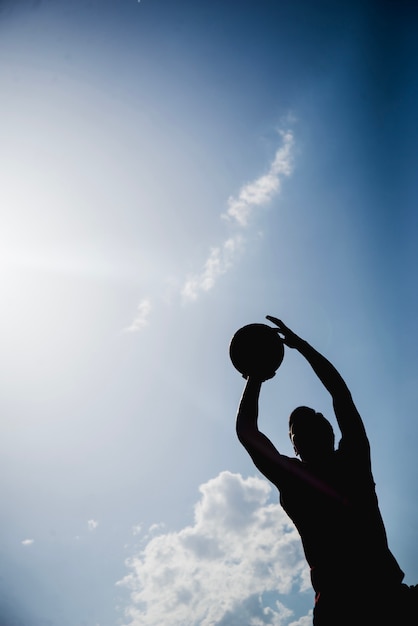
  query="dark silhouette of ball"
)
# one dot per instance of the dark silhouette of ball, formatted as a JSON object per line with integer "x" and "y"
{"x": 256, "y": 349}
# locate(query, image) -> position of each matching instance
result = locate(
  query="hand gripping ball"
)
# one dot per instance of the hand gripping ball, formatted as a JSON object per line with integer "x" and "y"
{"x": 256, "y": 350}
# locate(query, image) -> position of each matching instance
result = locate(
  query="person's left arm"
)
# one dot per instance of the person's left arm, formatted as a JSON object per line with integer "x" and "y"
{"x": 348, "y": 417}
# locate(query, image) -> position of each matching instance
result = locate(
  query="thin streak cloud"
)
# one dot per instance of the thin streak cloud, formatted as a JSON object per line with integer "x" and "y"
{"x": 218, "y": 262}
{"x": 240, "y": 209}
{"x": 262, "y": 190}
{"x": 142, "y": 315}
{"x": 27, "y": 542}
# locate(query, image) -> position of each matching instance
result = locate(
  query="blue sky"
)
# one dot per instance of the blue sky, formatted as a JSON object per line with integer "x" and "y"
{"x": 171, "y": 171}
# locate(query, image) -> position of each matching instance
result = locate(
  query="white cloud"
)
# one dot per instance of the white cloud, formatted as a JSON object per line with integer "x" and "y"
{"x": 27, "y": 542}
{"x": 306, "y": 620}
{"x": 222, "y": 256}
{"x": 251, "y": 196}
{"x": 262, "y": 190}
{"x": 155, "y": 528}
{"x": 218, "y": 262}
{"x": 92, "y": 524}
{"x": 142, "y": 314}
{"x": 215, "y": 572}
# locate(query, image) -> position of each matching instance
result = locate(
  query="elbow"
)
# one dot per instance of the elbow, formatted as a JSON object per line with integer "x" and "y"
{"x": 245, "y": 434}
{"x": 242, "y": 437}
{"x": 239, "y": 431}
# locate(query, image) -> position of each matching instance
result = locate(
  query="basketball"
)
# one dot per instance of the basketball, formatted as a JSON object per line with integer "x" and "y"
{"x": 256, "y": 349}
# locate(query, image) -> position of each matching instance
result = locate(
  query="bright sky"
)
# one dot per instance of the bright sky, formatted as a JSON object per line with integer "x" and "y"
{"x": 171, "y": 171}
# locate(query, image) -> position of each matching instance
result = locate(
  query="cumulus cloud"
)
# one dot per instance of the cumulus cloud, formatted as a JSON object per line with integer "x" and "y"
{"x": 218, "y": 571}
{"x": 306, "y": 620}
{"x": 27, "y": 542}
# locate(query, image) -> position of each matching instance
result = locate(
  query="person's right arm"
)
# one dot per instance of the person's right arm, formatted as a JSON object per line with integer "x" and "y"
{"x": 263, "y": 453}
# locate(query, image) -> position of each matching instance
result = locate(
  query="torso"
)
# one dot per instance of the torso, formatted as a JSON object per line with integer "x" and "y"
{"x": 335, "y": 510}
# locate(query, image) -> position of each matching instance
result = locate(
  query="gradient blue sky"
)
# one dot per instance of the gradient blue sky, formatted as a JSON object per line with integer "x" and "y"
{"x": 170, "y": 171}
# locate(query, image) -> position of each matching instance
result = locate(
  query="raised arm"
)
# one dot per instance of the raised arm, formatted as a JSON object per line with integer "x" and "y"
{"x": 263, "y": 453}
{"x": 348, "y": 418}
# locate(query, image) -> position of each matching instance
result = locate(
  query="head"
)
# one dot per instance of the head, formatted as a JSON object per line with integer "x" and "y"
{"x": 311, "y": 434}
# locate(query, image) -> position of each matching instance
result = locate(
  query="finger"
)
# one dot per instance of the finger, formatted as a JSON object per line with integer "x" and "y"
{"x": 274, "y": 320}
{"x": 282, "y": 327}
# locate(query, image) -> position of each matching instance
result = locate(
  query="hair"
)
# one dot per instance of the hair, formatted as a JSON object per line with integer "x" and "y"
{"x": 301, "y": 412}
{"x": 305, "y": 414}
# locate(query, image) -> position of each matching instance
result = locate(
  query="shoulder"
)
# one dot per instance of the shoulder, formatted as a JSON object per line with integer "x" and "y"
{"x": 277, "y": 469}
{"x": 354, "y": 447}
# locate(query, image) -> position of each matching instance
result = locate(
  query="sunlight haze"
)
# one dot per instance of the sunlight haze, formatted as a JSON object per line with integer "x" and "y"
{"x": 172, "y": 171}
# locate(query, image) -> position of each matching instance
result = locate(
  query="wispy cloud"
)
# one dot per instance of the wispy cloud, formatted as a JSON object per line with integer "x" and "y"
{"x": 218, "y": 262}
{"x": 216, "y": 571}
{"x": 27, "y": 542}
{"x": 241, "y": 208}
{"x": 262, "y": 190}
{"x": 142, "y": 315}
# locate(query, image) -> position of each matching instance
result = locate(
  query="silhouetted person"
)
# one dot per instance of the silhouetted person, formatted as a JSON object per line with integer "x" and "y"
{"x": 330, "y": 496}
